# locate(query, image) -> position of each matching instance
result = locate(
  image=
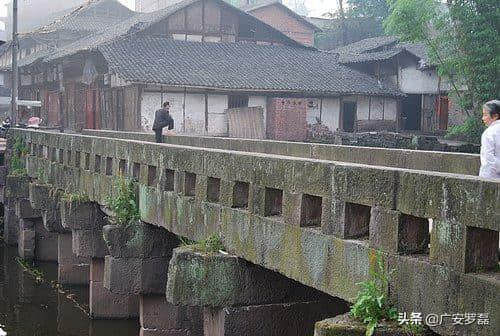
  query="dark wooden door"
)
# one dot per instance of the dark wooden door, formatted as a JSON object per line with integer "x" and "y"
{"x": 53, "y": 111}
{"x": 443, "y": 104}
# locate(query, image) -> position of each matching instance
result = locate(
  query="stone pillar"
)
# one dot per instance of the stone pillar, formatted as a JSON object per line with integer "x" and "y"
{"x": 34, "y": 241}
{"x": 16, "y": 187}
{"x": 86, "y": 220}
{"x": 137, "y": 265}
{"x": 103, "y": 303}
{"x": 72, "y": 269}
{"x": 240, "y": 298}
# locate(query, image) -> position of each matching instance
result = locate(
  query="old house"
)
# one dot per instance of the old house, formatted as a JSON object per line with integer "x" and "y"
{"x": 223, "y": 71}
{"x": 82, "y": 21}
{"x": 426, "y": 107}
{"x": 274, "y": 13}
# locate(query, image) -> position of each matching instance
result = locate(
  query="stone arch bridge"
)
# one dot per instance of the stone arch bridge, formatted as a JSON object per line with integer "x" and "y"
{"x": 302, "y": 223}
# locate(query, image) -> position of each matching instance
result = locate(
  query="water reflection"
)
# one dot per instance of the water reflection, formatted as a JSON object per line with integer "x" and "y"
{"x": 31, "y": 308}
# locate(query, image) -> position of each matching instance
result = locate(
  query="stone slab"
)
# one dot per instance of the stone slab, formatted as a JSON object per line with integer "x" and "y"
{"x": 107, "y": 305}
{"x": 222, "y": 280}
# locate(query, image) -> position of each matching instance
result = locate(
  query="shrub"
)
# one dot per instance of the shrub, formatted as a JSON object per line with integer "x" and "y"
{"x": 123, "y": 203}
{"x": 371, "y": 304}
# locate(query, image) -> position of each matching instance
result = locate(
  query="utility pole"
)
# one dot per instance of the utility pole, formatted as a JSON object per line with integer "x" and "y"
{"x": 15, "y": 69}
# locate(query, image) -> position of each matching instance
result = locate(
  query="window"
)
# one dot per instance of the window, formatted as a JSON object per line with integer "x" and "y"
{"x": 237, "y": 101}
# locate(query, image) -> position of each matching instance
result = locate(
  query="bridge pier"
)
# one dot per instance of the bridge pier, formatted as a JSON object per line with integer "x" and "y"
{"x": 240, "y": 298}
{"x": 71, "y": 270}
{"x": 16, "y": 187}
{"x": 137, "y": 265}
{"x": 86, "y": 220}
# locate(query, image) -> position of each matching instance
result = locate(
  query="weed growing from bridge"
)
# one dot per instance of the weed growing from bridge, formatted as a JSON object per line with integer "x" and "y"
{"x": 123, "y": 203}
{"x": 41, "y": 177}
{"x": 371, "y": 305}
{"x": 75, "y": 198}
{"x": 211, "y": 244}
{"x": 20, "y": 150}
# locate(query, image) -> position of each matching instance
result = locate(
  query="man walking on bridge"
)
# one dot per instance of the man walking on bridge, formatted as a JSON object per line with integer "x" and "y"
{"x": 162, "y": 119}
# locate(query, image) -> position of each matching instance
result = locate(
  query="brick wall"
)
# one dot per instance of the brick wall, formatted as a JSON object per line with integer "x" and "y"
{"x": 278, "y": 18}
{"x": 286, "y": 119}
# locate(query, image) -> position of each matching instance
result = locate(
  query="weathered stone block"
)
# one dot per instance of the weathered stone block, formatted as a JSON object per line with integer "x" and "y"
{"x": 72, "y": 270}
{"x": 40, "y": 196}
{"x": 26, "y": 244}
{"x": 344, "y": 325}
{"x": 157, "y": 313}
{"x": 17, "y": 186}
{"x": 89, "y": 243}
{"x": 384, "y": 229}
{"x": 420, "y": 194}
{"x": 45, "y": 242}
{"x": 78, "y": 215}
{"x": 52, "y": 221}
{"x": 291, "y": 319}
{"x": 107, "y": 305}
{"x": 221, "y": 280}
{"x": 139, "y": 240}
{"x": 310, "y": 177}
{"x": 136, "y": 275}
{"x": 10, "y": 226}
{"x": 291, "y": 208}
{"x": 366, "y": 185}
{"x": 24, "y": 209}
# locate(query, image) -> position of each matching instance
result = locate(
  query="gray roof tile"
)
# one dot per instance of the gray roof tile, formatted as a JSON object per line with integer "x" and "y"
{"x": 237, "y": 66}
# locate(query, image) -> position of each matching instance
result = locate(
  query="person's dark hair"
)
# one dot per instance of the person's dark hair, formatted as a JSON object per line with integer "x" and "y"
{"x": 166, "y": 104}
{"x": 493, "y": 107}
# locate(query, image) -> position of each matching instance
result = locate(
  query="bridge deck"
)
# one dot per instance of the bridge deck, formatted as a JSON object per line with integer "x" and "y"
{"x": 459, "y": 163}
{"x": 316, "y": 221}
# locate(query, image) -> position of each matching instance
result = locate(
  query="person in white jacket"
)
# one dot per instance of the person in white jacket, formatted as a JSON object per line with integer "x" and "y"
{"x": 490, "y": 141}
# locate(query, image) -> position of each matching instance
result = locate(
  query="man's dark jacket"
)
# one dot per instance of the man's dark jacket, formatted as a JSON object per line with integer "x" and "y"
{"x": 163, "y": 119}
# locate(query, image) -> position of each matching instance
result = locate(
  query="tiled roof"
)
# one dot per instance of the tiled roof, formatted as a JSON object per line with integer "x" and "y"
{"x": 262, "y": 4}
{"x": 89, "y": 17}
{"x": 368, "y": 50}
{"x": 132, "y": 26}
{"x": 236, "y": 66}
{"x": 367, "y": 45}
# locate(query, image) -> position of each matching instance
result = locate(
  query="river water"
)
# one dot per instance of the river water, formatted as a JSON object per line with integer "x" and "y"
{"x": 31, "y": 307}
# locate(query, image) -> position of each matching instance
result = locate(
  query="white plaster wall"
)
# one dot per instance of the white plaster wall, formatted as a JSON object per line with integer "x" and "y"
{"x": 391, "y": 109}
{"x": 259, "y": 101}
{"x": 195, "y": 114}
{"x": 330, "y": 115}
{"x": 412, "y": 80}
{"x": 363, "y": 105}
{"x": 176, "y": 101}
{"x": 313, "y": 112}
{"x": 376, "y": 108}
{"x": 217, "y": 118}
{"x": 150, "y": 102}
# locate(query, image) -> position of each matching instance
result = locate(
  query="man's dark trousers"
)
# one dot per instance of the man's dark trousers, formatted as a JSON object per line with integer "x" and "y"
{"x": 159, "y": 135}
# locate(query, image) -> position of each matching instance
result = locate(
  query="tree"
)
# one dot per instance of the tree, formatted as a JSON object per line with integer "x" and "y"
{"x": 368, "y": 8}
{"x": 463, "y": 40}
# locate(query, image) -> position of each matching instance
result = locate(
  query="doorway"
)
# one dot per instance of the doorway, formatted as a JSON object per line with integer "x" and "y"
{"x": 348, "y": 116}
{"x": 411, "y": 115}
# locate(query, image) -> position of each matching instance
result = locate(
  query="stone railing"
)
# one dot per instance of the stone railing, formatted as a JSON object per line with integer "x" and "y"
{"x": 458, "y": 163}
{"x": 318, "y": 222}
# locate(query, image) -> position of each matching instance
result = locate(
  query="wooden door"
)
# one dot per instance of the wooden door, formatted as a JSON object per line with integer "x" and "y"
{"x": 53, "y": 111}
{"x": 443, "y": 103}
{"x": 91, "y": 109}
